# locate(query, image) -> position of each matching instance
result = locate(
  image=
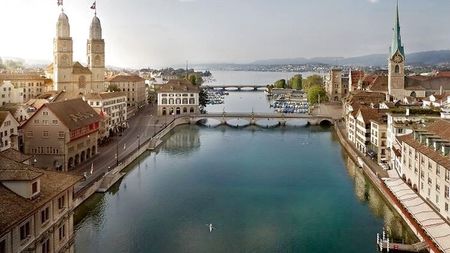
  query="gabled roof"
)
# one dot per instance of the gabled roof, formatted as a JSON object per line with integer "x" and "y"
{"x": 15, "y": 155}
{"x": 369, "y": 114}
{"x": 80, "y": 69}
{"x": 430, "y": 83}
{"x": 126, "y": 78}
{"x": 74, "y": 114}
{"x": 380, "y": 84}
{"x": 14, "y": 171}
{"x": 3, "y": 116}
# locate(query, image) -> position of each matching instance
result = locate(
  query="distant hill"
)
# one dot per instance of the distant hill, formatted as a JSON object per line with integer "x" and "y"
{"x": 441, "y": 57}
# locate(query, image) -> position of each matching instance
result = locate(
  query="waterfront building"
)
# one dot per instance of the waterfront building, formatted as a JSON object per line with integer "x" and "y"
{"x": 71, "y": 76}
{"x": 400, "y": 85}
{"x": 10, "y": 94}
{"x": 62, "y": 135}
{"x": 113, "y": 106}
{"x": 133, "y": 86}
{"x": 8, "y": 131}
{"x": 378, "y": 136}
{"x": 426, "y": 164}
{"x": 336, "y": 85}
{"x": 178, "y": 97}
{"x": 362, "y": 127}
{"x": 37, "y": 208}
{"x": 30, "y": 85}
{"x": 399, "y": 124}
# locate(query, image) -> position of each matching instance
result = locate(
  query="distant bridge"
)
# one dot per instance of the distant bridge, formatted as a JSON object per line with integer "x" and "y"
{"x": 236, "y": 87}
{"x": 260, "y": 119}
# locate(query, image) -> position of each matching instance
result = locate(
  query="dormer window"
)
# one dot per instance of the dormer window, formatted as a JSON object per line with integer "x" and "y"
{"x": 34, "y": 188}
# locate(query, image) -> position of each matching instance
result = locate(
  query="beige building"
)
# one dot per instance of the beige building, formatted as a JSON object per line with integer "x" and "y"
{"x": 8, "y": 131}
{"x": 178, "y": 97}
{"x": 133, "y": 86}
{"x": 363, "y": 124}
{"x": 336, "y": 85}
{"x": 426, "y": 164}
{"x": 21, "y": 112}
{"x": 62, "y": 135}
{"x": 114, "y": 105}
{"x": 36, "y": 209}
{"x": 10, "y": 94}
{"x": 71, "y": 76}
{"x": 378, "y": 139}
{"x": 29, "y": 84}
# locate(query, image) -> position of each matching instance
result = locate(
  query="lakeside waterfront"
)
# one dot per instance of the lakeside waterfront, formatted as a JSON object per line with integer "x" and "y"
{"x": 274, "y": 192}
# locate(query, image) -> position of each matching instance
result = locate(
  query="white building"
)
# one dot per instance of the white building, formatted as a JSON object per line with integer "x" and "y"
{"x": 8, "y": 131}
{"x": 363, "y": 123}
{"x": 178, "y": 97}
{"x": 10, "y": 93}
{"x": 114, "y": 105}
{"x": 133, "y": 86}
{"x": 31, "y": 85}
{"x": 426, "y": 164}
{"x": 436, "y": 101}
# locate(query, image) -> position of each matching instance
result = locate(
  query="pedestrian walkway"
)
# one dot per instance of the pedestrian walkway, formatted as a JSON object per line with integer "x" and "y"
{"x": 433, "y": 224}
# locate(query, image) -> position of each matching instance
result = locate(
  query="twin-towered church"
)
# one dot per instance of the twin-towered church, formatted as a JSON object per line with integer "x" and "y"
{"x": 72, "y": 77}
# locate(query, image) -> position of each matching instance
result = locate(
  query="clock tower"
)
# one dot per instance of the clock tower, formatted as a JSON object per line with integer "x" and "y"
{"x": 63, "y": 55}
{"x": 96, "y": 56}
{"x": 396, "y": 62}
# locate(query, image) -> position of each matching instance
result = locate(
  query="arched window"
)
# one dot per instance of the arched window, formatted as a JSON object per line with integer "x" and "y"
{"x": 185, "y": 101}
{"x": 82, "y": 82}
{"x": 192, "y": 110}
{"x": 184, "y": 109}
{"x": 192, "y": 101}
{"x": 170, "y": 101}
{"x": 397, "y": 69}
{"x": 178, "y": 101}
{"x": 164, "y": 101}
{"x": 413, "y": 94}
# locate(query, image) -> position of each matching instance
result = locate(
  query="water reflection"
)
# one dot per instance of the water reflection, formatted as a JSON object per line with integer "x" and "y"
{"x": 180, "y": 142}
{"x": 367, "y": 193}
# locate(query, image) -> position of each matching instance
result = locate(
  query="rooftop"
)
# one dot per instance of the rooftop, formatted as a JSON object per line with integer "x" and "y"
{"x": 126, "y": 78}
{"x": 179, "y": 85}
{"x": 13, "y": 207}
{"x": 15, "y": 155}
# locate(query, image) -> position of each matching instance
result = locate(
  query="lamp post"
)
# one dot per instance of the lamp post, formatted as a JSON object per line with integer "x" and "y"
{"x": 34, "y": 161}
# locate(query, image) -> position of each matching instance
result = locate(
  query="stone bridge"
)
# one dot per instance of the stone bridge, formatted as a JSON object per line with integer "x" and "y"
{"x": 261, "y": 119}
{"x": 236, "y": 87}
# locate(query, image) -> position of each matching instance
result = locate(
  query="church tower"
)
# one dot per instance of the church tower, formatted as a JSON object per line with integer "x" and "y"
{"x": 96, "y": 55}
{"x": 62, "y": 54}
{"x": 396, "y": 63}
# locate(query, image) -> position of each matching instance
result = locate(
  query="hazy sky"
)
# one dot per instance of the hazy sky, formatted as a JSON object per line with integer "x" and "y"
{"x": 167, "y": 32}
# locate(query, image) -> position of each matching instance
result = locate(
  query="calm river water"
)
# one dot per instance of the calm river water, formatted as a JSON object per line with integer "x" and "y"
{"x": 279, "y": 190}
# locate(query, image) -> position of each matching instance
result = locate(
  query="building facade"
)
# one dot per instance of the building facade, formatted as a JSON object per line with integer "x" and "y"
{"x": 29, "y": 84}
{"x": 378, "y": 139}
{"x": 37, "y": 209}
{"x": 114, "y": 105}
{"x": 133, "y": 86}
{"x": 62, "y": 135}
{"x": 8, "y": 131}
{"x": 178, "y": 97}
{"x": 426, "y": 164}
{"x": 10, "y": 94}
{"x": 336, "y": 85}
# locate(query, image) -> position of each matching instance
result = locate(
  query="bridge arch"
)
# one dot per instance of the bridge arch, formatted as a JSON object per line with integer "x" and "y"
{"x": 325, "y": 122}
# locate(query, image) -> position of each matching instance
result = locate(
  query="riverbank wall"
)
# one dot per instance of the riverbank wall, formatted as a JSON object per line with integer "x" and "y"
{"x": 372, "y": 172}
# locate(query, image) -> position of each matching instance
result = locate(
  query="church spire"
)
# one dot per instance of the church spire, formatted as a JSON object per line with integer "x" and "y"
{"x": 397, "y": 45}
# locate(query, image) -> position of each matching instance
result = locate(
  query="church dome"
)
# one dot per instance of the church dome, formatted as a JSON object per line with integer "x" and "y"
{"x": 62, "y": 26}
{"x": 95, "y": 31}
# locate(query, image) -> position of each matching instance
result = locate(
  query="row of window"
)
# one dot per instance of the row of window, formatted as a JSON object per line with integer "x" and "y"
{"x": 45, "y": 150}
{"x": 178, "y": 101}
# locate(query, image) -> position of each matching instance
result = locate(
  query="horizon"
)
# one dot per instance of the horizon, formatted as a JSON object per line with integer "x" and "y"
{"x": 215, "y": 32}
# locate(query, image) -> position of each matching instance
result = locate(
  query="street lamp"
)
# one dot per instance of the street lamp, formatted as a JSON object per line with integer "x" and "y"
{"x": 34, "y": 161}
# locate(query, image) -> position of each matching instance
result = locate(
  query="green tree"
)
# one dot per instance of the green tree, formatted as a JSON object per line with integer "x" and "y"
{"x": 113, "y": 88}
{"x": 195, "y": 79}
{"x": 296, "y": 82}
{"x": 281, "y": 84}
{"x": 315, "y": 93}
{"x": 312, "y": 81}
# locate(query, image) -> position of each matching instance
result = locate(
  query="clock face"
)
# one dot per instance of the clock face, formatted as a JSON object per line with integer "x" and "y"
{"x": 398, "y": 58}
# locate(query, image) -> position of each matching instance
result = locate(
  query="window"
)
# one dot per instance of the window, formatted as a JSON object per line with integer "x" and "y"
{"x": 3, "y": 246}
{"x": 46, "y": 246}
{"x": 447, "y": 175}
{"x": 25, "y": 231}
{"x": 438, "y": 170}
{"x": 446, "y": 192}
{"x": 55, "y": 122}
{"x": 45, "y": 214}
{"x": 61, "y": 202}
{"x": 34, "y": 188}
{"x": 62, "y": 232}
{"x": 45, "y": 113}
{"x": 45, "y": 134}
{"x": 61, "y": 134}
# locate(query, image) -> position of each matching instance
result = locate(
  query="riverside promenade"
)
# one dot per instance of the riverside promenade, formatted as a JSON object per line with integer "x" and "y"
{"x": 377, "y": 176}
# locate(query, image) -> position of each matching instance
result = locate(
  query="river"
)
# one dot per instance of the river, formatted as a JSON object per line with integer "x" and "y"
{"x": 265, "y": 190}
